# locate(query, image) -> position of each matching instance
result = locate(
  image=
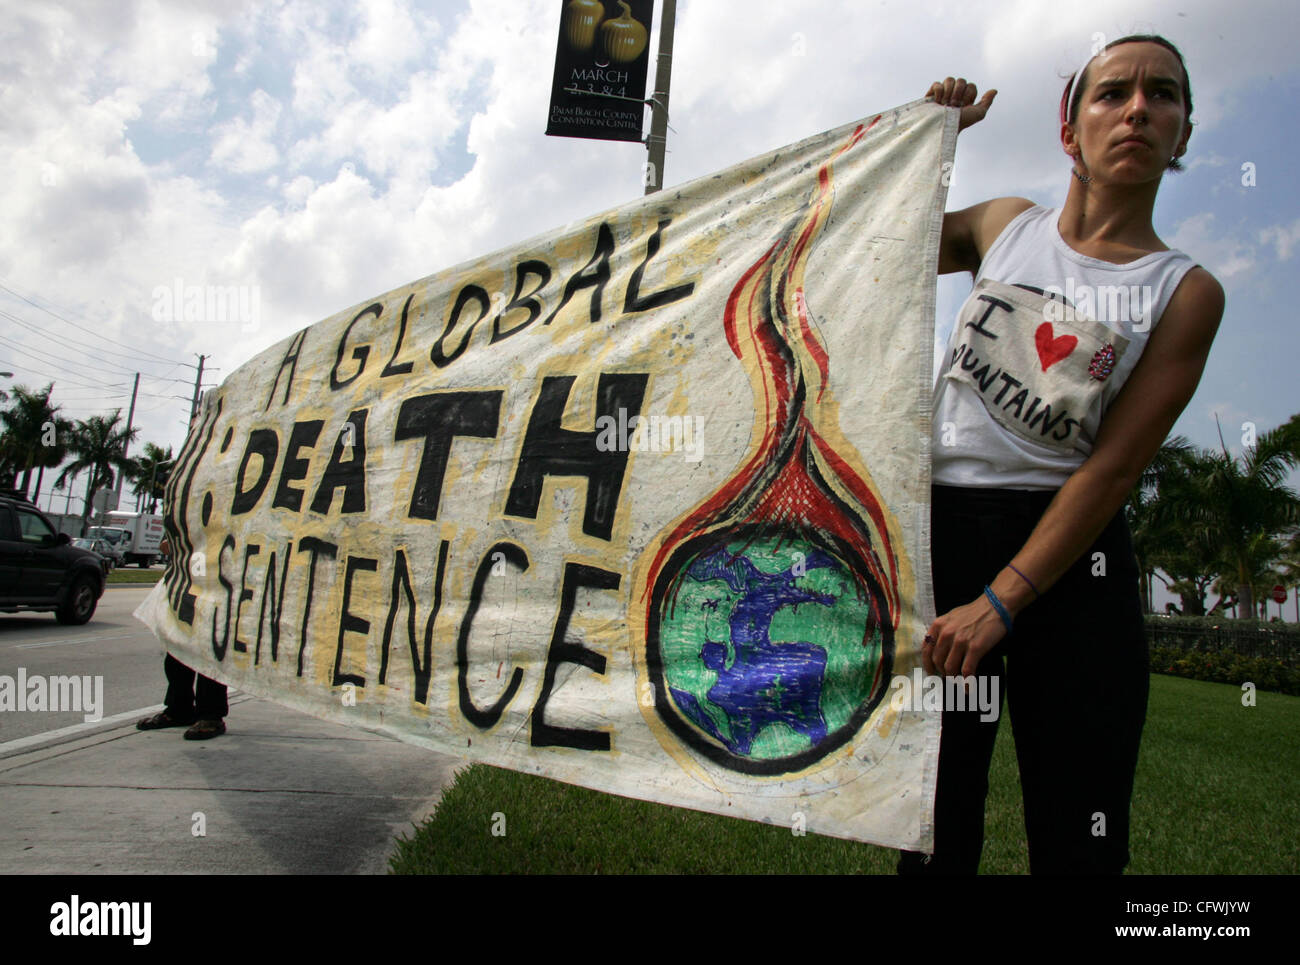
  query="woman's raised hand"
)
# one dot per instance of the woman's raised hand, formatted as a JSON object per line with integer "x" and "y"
{"x": 959, "y": 93}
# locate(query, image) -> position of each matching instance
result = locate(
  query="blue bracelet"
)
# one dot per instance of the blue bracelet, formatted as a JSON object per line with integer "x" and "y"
{"x": 997, "y": 605}
{"x": 1026, "y": 579}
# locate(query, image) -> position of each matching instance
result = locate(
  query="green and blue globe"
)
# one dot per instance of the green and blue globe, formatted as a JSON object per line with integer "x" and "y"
{"x": 766, "y": 650}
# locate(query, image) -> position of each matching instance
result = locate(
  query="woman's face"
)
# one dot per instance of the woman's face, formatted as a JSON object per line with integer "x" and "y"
{"x": 1131, "y": 117}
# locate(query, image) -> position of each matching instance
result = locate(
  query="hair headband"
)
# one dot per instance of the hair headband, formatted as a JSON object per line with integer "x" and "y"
{"x": 1069, "y": 91}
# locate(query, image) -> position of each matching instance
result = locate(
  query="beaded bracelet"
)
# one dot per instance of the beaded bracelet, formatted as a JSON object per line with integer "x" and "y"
{"x": 997, "y": 605}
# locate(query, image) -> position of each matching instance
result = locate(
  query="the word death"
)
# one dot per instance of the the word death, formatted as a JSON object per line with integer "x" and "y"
{"x": 435, "y": 420}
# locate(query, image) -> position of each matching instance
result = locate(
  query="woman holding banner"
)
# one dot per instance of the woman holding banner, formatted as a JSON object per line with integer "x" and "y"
{"x": 1055, "y": 394}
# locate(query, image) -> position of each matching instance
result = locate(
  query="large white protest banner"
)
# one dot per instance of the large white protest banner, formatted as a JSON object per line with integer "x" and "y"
{"x": 641, "y": 504}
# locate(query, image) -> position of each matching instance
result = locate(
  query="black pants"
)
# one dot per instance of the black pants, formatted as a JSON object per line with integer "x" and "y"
{"x": 1074, "y": 673}
{"x": 186, "y": 698}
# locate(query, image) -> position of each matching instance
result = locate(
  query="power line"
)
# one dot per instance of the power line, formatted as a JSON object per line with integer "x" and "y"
{"x": 50, "y": 338}
{"x": 42, "y": 356}
{"x": 155, "y": 395}
{"x": 159, "y": 405}
{"x": 64, "y": 379}
{"x": 63, "y": 395}
{"x": 88, "y": 331}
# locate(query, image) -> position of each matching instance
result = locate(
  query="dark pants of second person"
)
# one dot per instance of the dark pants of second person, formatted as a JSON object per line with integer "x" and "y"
{"x": 187, "y": 699}
{"x": 1075, "y": 681}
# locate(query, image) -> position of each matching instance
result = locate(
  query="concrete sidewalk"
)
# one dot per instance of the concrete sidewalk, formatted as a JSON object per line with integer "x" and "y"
{"x": 280, "y": 792}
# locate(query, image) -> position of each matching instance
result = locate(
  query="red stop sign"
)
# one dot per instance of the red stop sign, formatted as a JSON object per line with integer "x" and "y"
{"x": 1279, "y": 594}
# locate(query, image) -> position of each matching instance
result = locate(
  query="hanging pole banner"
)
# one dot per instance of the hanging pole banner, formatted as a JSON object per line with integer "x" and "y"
{"x": 641, "y": 504}
{"x": 601, "y": 60}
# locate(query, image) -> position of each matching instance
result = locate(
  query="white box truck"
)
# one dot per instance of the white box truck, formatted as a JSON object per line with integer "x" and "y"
{"x": 136, "y": 535}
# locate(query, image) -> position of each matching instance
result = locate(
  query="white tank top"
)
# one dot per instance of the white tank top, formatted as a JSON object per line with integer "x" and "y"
{"x": 1039, "y": 351}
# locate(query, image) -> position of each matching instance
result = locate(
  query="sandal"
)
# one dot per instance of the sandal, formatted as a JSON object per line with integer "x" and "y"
{"x": 205, "y": 730}
{"x": 158, "y": 721}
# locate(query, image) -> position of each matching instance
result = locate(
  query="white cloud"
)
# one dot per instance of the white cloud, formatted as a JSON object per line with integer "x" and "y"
{"x": 320, "y": 75}
{"x": 244, "y": 145}
{"x": 1226, "y": 257}
{"x": 391, "y": 39}
{"x": 1283, "y": 238}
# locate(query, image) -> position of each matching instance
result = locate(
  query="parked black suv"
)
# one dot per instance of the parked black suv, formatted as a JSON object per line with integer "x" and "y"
{"x": 40, "y": 569}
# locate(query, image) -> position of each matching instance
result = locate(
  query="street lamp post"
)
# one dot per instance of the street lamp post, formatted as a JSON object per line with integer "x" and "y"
{"x": 657, "y": 142}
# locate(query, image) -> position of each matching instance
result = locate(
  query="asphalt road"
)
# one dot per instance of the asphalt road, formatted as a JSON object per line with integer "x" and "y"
{"x": 113, "y": 645}
{"x": 280, "y": 792}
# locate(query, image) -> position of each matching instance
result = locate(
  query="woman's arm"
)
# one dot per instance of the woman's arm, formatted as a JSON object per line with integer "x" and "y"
{"x": 968, "y": 234}
{"x": 1143, "y": 414}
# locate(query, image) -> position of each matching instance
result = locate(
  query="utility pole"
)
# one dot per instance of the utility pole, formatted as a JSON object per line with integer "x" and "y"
{"x": 130, "y": 418}
{"x": 657, "y": 142}
{"x": 198, "y": 382}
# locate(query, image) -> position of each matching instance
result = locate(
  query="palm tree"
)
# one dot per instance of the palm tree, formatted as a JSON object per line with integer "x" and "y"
{"x": 150, "y": 473}
{"x": 1262, "y": 554}
{"x": 98, "y": 447}
{"x": 1235, "y": 506}
{"x": 34, "y": 437}
{"x": 1154, "y": 537}
{"x": 1290, "y": 559}
{"x": 1265, "y": 554}
{"x": 1188, "y": 558}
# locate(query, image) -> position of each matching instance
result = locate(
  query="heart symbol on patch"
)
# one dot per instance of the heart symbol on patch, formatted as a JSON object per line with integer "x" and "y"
{"x": 1052, "y": 350}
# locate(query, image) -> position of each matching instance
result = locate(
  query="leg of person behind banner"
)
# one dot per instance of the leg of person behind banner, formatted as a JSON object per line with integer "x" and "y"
{"x": 179, "y": 703}
{"x": 180, "y": 689}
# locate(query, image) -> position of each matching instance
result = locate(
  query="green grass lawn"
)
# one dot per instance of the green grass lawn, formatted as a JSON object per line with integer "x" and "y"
{"x": 122, "y": 574}
{"x": 1216, "y": 794}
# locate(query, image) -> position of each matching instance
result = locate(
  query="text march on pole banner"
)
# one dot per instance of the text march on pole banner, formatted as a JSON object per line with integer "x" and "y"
{"x": 602, "y": 57}
{"x": 641, "y": 504}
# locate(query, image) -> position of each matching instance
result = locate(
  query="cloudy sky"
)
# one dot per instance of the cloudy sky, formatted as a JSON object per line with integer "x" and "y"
{"x": 315, "y": 154}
